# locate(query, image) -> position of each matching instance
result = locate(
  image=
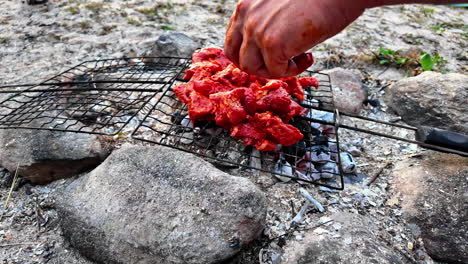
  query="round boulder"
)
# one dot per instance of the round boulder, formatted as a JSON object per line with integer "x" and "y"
{"x": 432, "y": 99}
{"x": 159, "y": 205}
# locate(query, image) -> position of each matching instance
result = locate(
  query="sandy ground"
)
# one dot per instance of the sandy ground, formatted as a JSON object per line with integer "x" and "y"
{"x": 37, "y": 42}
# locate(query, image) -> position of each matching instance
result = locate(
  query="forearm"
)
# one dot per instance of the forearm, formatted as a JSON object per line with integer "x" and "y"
{"x": 375, "y": 3}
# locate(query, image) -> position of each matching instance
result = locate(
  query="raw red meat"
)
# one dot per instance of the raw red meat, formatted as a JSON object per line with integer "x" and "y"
{"x": 229, "y": 109}
{"x": 255, "y": 109}
{"x": 264, "y": 129}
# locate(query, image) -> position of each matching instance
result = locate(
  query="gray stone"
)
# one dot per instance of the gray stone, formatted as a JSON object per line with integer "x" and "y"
{"x": 174, "y": 45}
{"x": 348, "y": 93}
{"x": 432, "y": 99}
{"x": 43, "y": 155}
{"x": 159, "y": 205}
{"x": 357, "y": 241}
{"x": 433, "y": 193}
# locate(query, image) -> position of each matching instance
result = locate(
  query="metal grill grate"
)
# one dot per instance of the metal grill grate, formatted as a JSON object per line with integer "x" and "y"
{"x": 135, "y": 96}
{"x": 99, "y": 97}
{"x": 168, "y": 124}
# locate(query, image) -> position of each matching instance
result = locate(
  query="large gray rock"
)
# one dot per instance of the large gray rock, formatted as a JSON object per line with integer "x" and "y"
{"x": 43, "y": 156}
{"x": 357, "y": 242}
{"x": 434, "y": 195}
{"x": 159, "y": 205}
{"x": 174, "y": 45}
{"x": 432, "y": 99}
{"x": 348, "y": 93}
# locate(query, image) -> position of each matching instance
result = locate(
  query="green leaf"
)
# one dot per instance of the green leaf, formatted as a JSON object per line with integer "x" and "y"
{"x": 402, "y": 61}
{"x": 382, "y": 62}
{"x": 427, "y": 62}
{"x": 386, "y": 52}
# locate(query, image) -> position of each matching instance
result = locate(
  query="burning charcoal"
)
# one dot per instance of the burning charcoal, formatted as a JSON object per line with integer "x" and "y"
{"x": 283, "y": 167}
{"x": 186, "y": 123}
{"x": 322, "y": 115}
{"x": 178, "y": 117}
{"x": 294, "y": 152}
{"x": 328, "y": 171}
{"x": 321, "y": 141}
{"x": 305, "y": 128}
{"x": 187, "y": 138}
{"x": 347, "y": 163}
{"x": 320, "y": 154}
{"x": 306, "y": 170}
{"x": 333, "y": 150}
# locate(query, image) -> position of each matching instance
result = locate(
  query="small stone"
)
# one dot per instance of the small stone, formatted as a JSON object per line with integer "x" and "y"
{"x": 392, "y": 201}
{"x": 174, "y": 45}
{"x": 410, "y": 245}
{"x": 349, "y": 94}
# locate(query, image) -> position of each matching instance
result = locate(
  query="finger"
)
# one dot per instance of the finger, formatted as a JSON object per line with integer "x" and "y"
{"x": 233, "y": 40}
{"x": 250, "y": 57}
{"x": 232, "y": 45}
{"x": 278, "y": 66}
{"x": 302, "y": 62}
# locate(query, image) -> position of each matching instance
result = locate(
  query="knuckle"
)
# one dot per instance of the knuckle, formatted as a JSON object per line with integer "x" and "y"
{"x": 243, "y": 6}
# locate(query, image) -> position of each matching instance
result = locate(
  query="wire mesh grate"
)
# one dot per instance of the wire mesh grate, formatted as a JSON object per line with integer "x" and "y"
{"x": 134, "y": 96}
{"x": 99, "y": 97}
{"x": 315, "y": 159}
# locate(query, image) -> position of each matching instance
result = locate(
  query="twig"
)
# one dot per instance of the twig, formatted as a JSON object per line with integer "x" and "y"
{"x": 18, "y": 244}
{"x": 11, "y": 190}
{"x": 377, "y": 174}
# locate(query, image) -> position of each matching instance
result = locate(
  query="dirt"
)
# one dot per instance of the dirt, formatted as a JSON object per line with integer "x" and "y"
{"x": 38, "y": 42}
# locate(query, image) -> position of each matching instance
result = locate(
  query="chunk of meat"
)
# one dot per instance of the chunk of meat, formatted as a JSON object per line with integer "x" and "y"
{"x": 211, "y": 54}
{"x": 309, "y": 81}
{"x": 228, "y": 107}
{"x": 200, "y": 107}
{"x": 294, "y": 87}
{"x": 264, "y": 129}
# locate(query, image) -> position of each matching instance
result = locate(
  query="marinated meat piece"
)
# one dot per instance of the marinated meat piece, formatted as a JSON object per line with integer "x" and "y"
{"x": 284, "y": 134}
{"x": 211, "y": 54}
{"x": 252, "y": 135}
{"x": 200, "y": 107}
{"x": 294, "y": 87}
{"x": 208, "y": 87}
{"x": 183, "y": 91}
{"x": 228, "y": 107}
{"x": 202, "y": 70}
{"x": 232, "y": 76}
{"x": 264, "y": 129}
{"x": 309, "y": 81}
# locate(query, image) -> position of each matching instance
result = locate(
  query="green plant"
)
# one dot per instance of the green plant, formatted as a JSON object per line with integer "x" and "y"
{"x": 388, "y": 56}
{"x": 84, "y": 25}
{"x": 166, "y": 27}
{"x": 94, "y": 7}
{"x": 427, "y": 62}
{"x": 428, "y": 11}
{"x": 73, "y": 9}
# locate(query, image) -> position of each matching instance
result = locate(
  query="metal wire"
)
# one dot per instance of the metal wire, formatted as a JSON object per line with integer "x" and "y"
{"x": 167, "y": 124}
{"x": 97, "y": 97}
{"x": 135, "y": 95}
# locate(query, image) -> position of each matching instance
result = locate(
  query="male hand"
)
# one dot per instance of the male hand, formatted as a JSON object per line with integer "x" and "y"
{"x": 269, "y": 38}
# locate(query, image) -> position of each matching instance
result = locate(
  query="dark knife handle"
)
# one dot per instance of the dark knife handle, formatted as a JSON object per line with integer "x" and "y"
{"x": 442, "y": 138}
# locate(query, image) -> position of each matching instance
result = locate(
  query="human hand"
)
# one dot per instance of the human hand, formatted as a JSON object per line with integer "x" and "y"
{"x": 269, "y": 38}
